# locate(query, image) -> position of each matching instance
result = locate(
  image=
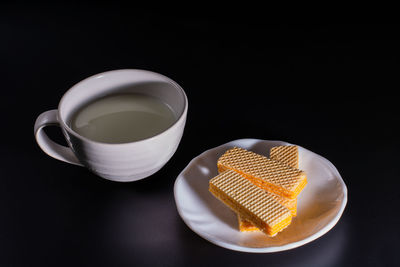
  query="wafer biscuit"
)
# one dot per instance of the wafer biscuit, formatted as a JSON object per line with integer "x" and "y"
{"x": 251, "y": 202}
{"x": 290, "y": 204}
{"x": 289, "y": 156}
{"x": 268, "y": 174}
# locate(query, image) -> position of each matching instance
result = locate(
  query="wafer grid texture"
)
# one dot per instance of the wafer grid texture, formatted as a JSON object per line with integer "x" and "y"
{"x": 268, "y": 174}
{"x": 291, "y": 204}
{"x": 286, "y": 154}
{"x": 251, "y": 202}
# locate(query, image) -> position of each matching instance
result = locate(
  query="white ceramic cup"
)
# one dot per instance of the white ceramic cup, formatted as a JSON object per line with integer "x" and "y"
{"x": 118, "y": 162}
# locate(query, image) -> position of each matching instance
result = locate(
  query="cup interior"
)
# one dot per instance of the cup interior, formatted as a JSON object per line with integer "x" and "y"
{"x": 122, "y": 81}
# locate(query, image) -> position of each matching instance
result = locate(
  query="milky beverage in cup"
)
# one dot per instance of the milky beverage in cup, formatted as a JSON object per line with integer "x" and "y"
{"x": 122, "y": 118}
{"x": 123, "y": 125}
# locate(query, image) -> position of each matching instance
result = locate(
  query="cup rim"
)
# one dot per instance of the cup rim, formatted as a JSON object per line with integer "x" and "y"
{"x": 169, "y": 80}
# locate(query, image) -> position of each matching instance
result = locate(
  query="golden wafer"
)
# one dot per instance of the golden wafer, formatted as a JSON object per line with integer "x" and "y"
{"x": 268, "y": 174}
{"x": 250, "y": 202}
{"x": 290, "y": 204}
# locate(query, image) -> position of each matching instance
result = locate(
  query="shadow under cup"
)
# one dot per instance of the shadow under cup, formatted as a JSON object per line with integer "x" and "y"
{"x": 124, "y": 161}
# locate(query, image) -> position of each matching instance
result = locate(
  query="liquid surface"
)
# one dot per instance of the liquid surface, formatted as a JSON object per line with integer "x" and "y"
{"x": 122, "y": 118}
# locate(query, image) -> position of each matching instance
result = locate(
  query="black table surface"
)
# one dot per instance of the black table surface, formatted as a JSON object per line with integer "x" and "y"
{"x": 328, "y": 88}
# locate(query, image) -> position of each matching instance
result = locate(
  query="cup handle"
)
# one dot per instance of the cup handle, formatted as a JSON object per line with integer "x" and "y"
{"x": 50, "y": 147}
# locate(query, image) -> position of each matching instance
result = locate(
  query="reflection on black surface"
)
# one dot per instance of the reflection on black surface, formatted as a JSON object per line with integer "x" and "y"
{"x": 136, "y": 223}
{"x": 100, "y": 222}
{"x": 328, "y": 250}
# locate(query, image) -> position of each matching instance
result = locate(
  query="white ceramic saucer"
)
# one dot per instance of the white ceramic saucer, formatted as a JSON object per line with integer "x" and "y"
{"x": 320, "y": 204}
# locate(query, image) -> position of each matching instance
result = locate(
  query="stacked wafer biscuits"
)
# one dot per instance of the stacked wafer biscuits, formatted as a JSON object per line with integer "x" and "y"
{"x": 290, "y": 156}
{"x": 262, "y": 191}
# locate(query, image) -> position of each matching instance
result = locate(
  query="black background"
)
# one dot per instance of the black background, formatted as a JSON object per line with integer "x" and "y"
{"x": 329, "y": 88}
